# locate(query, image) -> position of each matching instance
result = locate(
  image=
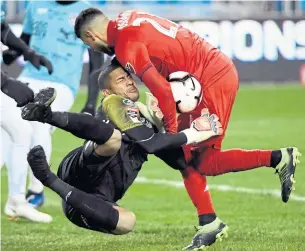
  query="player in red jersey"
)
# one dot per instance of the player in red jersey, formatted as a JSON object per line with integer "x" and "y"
{"x": 152, "y": 47}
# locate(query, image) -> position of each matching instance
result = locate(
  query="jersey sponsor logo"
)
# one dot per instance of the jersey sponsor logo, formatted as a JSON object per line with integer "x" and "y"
{"x": 133, "y": 114}
{"x": 40, "y": 29}
{"x": 129, "y": 67}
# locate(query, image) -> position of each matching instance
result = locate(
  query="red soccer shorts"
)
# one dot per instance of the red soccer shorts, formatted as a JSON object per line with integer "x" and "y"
{"x": 219, "y": 98}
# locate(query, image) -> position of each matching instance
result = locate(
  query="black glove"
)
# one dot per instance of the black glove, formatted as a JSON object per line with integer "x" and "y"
{"x": 37, "y": 60}
{"x": 17, "y": 90}
{"x": 9, "y": 56}
{"x": 89, "y": 109}
{"x": 39, "y": 165}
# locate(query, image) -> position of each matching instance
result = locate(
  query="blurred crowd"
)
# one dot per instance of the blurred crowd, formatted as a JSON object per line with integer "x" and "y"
{"x": 185, "y": 9}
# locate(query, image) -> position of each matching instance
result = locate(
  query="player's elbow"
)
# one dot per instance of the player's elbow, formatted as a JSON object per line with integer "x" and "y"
{"x": 114, "y": 143}
{"x": 112, "y": 146}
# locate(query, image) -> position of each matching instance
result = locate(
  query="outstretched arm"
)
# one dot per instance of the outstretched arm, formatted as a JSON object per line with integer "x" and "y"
{"x": 125, "y": 115}
{"x": 17, "y": 90}
{"x": 20, "y": 46}
{"x": 10, "y": 40}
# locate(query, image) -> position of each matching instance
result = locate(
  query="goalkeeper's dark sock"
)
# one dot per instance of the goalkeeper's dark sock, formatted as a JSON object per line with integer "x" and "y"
{"x": 88, "y": 205}
{"x": 215, "y": 162}
{"x": 206, "y": 219}
{"x": 58, "y": 186}
{"x": 196, "y": 186}
{"x": 82, "y": 125}
{"x": 276, "y": 157}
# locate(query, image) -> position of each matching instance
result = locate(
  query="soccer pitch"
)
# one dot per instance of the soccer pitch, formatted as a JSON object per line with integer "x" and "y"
{"x": 263, "y": 117}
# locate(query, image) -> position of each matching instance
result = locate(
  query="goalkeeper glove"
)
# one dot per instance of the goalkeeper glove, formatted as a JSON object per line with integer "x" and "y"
{"x": 203, "y": 128}
{"x": 151, "y": 111}
{"x": 30, "y": 55}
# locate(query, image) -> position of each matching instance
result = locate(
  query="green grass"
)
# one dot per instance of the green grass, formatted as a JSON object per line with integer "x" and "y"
{"x": 263, "y": 117}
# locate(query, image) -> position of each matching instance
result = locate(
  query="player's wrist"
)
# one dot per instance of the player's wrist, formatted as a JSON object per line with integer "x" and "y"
{"x": 28, "y": 53}
{"x": 190, "y": 134}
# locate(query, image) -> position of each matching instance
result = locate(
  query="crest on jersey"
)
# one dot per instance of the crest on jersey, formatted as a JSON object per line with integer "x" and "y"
{"x": 129, "y": 67}
{"x": 72, "y": 18}
{"x": 128, "y": 102}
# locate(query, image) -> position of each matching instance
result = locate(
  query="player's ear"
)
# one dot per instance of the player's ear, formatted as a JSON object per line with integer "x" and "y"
{"x": 106, "y": 92}
{"x": 90, "y": 34}
{"x": 96, "y": 35}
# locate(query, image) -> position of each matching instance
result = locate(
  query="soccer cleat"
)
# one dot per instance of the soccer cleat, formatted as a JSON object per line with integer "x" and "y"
{"x": 21, "y": 208}
{"x": 286, "y": 169}
{"x": 45, "y": 96}
{"x": 208, "y": 234}
{"x": 35, "y": 199}
{"x": 38, "y": 109}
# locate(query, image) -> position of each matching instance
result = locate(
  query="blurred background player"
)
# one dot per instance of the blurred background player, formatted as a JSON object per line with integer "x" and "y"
{"x": 48, "y": 28}
{"x": 13, "y": 88}
{"x": 12, "y": 141}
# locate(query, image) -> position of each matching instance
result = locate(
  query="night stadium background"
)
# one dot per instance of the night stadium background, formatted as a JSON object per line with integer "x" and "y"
{"x": 266, "y": 40}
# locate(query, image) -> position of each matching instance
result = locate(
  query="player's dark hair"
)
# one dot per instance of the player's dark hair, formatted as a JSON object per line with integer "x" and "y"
{"x": 103, "y": 78}
{"x": 84, "y": 18}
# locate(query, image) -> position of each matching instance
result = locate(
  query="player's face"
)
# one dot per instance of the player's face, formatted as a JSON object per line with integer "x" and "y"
{"x": 122, "y": 83}
{"x": 95, "y": 41}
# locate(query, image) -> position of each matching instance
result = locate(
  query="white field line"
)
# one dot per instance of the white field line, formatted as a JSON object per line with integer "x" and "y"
{"x": 222, "y": 188}
{"x": 51, "y": 201}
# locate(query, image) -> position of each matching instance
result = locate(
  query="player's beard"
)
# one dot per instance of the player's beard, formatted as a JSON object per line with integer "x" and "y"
{"x": 106, "y": 49}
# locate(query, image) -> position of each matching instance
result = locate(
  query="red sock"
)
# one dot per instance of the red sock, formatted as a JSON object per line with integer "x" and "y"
{"x": 196, "y": 186}
{"x": 215, "y": 162}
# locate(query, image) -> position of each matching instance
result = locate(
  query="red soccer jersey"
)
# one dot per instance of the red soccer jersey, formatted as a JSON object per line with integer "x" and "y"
{"x": 152, "y": 47}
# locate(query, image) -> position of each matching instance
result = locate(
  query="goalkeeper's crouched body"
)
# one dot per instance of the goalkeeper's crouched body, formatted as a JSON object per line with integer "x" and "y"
{"x": 107, "y": 216}
{"x": 93, "y": 177}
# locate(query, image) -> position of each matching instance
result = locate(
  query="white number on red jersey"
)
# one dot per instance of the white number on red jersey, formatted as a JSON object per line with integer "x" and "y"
{"x": 170, "y": 31}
